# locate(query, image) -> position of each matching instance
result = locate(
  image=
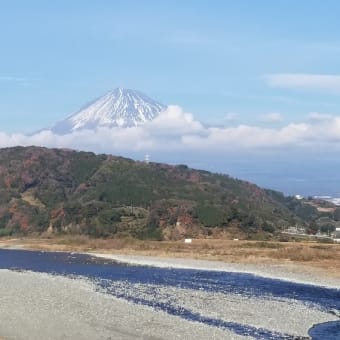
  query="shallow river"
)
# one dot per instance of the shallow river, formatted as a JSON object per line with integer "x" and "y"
{"x": 145, "y": 285}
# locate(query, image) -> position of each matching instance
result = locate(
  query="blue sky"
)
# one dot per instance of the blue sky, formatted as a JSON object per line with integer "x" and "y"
{"x": 210, "y": 57}
{"x": 268, "y": 72}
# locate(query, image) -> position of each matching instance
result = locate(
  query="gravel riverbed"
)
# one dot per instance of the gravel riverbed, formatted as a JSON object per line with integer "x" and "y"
{"x": 286, "y": 272}
{"x": 50, "y": 307}
{"x": 36, "y": 306}
{"x": 284, "y": 316}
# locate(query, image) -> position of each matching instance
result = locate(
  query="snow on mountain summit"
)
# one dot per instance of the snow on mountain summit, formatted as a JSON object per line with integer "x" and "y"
{"x": 117, "y": 108}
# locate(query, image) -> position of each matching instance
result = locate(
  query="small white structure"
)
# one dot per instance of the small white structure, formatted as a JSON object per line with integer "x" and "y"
{"x": 295, "y": 230}
{"x": 299, "y": 197}
{"x": 336, "y": 234}
{"x": 188, "y": 240}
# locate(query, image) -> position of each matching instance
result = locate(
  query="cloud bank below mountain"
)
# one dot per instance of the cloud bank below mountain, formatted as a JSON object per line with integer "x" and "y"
{"x": 175, "y": 129}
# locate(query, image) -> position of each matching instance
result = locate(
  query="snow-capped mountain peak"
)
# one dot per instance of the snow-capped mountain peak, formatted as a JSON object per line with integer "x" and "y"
{"x": 117, "y": 108}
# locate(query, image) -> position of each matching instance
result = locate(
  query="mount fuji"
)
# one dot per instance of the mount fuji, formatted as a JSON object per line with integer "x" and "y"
{"x": 117, "y": 108}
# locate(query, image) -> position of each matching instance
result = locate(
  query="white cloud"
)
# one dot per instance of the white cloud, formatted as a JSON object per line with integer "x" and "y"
{"x": 325, "y": 83}
{"x": 174, "y": 121}
{"x": 177, "y": 130}
{"x": 248, "y": 137}
{"x": 272, "y": 117}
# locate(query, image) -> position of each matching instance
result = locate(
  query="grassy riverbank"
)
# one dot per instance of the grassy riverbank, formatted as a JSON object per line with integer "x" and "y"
{"x": 320, "y": 258}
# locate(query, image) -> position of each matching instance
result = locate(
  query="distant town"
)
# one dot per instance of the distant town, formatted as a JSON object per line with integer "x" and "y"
{"x": 328, "y": 224}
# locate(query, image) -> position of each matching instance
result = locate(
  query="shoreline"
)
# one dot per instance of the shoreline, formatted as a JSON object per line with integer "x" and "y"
{"x": 283, "y": 272}
{"x": 298, "y": 272}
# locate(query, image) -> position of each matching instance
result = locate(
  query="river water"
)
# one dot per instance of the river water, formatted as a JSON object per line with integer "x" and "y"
{"x": 120, "y": 280}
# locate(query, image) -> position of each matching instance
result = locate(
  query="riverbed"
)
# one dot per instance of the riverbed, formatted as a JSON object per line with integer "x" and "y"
{"x": 98, "y": 298}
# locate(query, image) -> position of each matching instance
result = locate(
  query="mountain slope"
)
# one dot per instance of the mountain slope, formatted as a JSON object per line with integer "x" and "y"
{"x": 59, "y": 190}
{"x": 117, "y": 108}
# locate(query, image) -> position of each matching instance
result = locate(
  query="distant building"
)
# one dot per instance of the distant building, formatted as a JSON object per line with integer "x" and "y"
{"x": 336, "y": 233}
{"x": 298, "y": 197}
{"x": 295, "y": 230}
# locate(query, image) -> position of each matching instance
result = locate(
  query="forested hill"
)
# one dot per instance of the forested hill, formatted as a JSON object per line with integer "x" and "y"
{"x": 64, "y": 191}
